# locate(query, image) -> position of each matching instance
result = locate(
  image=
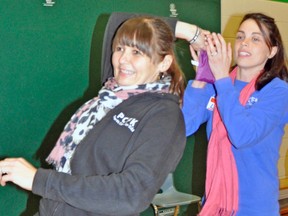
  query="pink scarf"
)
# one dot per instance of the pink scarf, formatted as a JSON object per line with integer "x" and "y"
{"x": 221, "y": 186}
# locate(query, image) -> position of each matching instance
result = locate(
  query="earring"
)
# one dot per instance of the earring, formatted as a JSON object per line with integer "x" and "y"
{"x": 161, "y": 75}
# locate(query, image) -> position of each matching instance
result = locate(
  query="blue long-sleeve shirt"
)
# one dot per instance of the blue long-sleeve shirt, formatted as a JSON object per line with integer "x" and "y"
{"x": 255, "y": 131}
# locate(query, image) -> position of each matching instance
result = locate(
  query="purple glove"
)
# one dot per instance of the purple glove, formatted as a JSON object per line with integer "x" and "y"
{"x": 204, "y": 72}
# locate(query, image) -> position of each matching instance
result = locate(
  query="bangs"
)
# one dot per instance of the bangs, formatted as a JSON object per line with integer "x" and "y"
{"x": 138, "y": 35}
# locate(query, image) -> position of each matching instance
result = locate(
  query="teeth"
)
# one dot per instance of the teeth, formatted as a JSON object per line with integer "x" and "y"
{"x": 244, "y": 54}
{"x": 127, "y": 71}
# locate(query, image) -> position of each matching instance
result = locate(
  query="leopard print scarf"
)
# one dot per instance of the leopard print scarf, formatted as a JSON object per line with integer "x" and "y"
{"x": 87, "y": 116}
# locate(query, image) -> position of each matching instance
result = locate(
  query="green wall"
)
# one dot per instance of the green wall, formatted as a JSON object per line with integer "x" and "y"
{"x": 50, "y": 64}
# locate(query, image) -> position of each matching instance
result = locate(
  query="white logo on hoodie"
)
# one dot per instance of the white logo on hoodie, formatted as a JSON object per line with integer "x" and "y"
{"x": 128, "y": 122}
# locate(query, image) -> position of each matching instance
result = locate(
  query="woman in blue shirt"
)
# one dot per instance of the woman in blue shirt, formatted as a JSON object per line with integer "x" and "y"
{"x": 250, "y": 105}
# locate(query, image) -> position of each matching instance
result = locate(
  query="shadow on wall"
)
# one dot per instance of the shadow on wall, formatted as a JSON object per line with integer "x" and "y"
{"x": 231, "y": 28}
{"x": 58, "y": 125}
{"x": 92, "y": 90}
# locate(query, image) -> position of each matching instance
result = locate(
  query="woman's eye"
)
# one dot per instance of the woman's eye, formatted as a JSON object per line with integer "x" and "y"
{"x": 239, "y": 37}
{"x": 118, "y": 48}
{"x": 137, "y": 52}
{"x": 255, "y": 39}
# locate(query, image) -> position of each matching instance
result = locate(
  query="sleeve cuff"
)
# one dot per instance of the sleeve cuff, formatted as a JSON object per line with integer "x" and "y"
{"x": 40, "y": 181}
{"x": 223, "y": 85}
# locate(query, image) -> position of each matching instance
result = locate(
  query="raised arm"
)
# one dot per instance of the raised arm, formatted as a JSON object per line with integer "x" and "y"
{"x": 195, "y": 35}
{"x": 182, "y": 30}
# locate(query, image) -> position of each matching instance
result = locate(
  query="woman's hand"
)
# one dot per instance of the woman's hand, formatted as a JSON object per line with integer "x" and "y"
{"x": 219, "y": 55}
{"x": 195, "y": 60}
{"x": 18, "y": 171}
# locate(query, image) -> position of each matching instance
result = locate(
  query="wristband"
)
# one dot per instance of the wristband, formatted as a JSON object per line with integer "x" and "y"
{"x": 195, "y": 36}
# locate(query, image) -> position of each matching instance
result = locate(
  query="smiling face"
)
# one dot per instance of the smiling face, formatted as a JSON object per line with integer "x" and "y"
{"x": 143, "y": 48}
{"x": 251, "y": 49}
{"x": 133, "y": 67}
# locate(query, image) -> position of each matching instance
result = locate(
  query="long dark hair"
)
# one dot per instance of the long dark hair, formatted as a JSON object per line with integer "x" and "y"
{"x": 154, "y": 38}
{"x": 276, "y": 66}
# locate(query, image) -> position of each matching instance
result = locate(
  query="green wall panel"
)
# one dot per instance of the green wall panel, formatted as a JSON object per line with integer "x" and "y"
{"x": 50, "y": 65}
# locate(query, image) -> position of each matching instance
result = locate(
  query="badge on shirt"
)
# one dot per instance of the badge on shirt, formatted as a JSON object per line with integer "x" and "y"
{"x": 211, "y": 104}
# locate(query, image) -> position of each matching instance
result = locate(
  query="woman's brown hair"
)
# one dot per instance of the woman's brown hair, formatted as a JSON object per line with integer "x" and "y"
{"x": 154, "y": 38}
